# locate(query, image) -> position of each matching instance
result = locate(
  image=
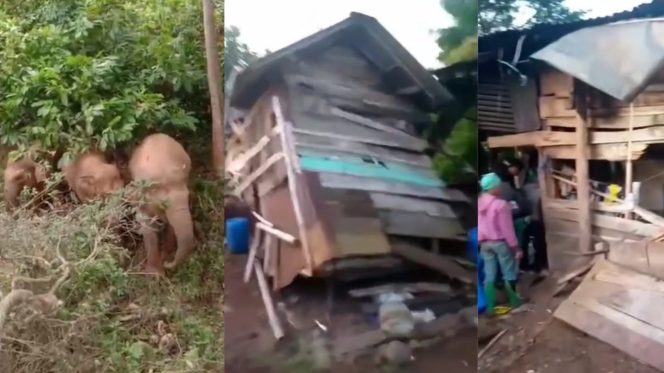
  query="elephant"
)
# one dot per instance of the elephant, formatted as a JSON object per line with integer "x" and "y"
{"x": 91, "y": 176}
{"x": 24, "y": 173}
{"x": 164, "y": 164}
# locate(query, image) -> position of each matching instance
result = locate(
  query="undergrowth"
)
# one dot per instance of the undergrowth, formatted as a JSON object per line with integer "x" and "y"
{"x": 91, "y": 310}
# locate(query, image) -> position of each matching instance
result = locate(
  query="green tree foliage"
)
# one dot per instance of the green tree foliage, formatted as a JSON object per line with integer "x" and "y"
{"x": 77, "y": 74}
{"x": 459, "y": 42}
{"x": 496, "y": 15}
{"x": 456, "y": 160}
{"x": 237, "y": 54}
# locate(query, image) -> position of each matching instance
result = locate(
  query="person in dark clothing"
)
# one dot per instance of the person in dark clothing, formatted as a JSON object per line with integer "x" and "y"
{"x": 533, "y": 230}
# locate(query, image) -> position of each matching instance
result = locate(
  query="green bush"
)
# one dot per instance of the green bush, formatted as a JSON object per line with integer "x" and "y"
{"x": 100, "y": 73}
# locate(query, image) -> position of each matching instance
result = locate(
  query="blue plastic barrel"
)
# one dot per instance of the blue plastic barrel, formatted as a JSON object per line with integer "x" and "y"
{"x": 238, "y": 235}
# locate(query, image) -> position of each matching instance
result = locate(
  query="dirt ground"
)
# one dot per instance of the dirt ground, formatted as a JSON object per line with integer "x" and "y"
{"x": 537, "y": 343}
{"x": 250, "y": 346}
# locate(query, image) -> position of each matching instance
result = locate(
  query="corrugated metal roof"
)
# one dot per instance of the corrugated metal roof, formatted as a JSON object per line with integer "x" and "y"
{"x": 548, "y": 32}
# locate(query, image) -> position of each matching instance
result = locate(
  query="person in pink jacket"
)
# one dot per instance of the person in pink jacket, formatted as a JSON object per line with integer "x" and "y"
{"x": 499, "y": 247}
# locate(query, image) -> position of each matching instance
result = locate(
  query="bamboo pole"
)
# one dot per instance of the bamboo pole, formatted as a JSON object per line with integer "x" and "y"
{"x": 214, "y": 83}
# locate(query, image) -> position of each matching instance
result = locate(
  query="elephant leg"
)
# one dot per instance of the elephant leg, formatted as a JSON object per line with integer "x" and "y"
{"x": 179, "y": 218}
{"x": 150, "y": 235}
{"x": 169, "y": 245}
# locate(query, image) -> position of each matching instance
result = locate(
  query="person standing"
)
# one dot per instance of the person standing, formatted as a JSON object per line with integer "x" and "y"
{"x": 499, "y": 247}
{"x": 532, "y": 227}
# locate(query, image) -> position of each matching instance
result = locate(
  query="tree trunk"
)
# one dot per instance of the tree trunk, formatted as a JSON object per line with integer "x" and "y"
{"x": 214, "y": 83}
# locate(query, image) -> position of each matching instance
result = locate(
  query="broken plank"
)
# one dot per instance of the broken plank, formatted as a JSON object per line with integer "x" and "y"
{"x": 425, "y": 258}
{"x": 251, "y": 178}
{"x": 240, "y": 162}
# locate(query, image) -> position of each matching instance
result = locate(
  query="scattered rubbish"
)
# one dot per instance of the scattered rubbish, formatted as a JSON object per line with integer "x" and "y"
{"x": 396, "y": 319}
{"x": 321, "y": 326}
{"x": 423, "y": 316}
{"x": 395, "y": 352}
{"x": 320, "y": 350}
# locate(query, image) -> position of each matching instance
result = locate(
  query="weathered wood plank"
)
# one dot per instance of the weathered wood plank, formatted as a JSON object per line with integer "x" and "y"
{"x": 414, "y": 224}
{"x": 652, "y": 135}
{"x": 340, "y": 181}
{"x": 607, "y": 152}
{"x": 425, "y": 258}
{"x": 353, "y": 147}
{"x": 606, "y": 221}
{"x": 619, "y": 120}
{"x": 603, "y": 311}
{"x": 386, "y": 201}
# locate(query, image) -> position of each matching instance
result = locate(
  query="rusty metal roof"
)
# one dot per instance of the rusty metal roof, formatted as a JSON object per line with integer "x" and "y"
{"x": 365, "y": 35}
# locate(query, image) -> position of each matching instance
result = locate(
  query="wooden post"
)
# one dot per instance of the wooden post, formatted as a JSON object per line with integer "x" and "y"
{"x": 214, "y": 83}
{"x": 583, "y": 186}
{"x": 629, "y": 165}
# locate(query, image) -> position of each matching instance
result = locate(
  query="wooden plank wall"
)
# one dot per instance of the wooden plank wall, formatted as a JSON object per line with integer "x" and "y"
{"x": 606, "y": 116}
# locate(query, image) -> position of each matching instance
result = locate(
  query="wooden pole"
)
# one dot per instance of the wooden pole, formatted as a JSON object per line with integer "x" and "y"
{"x": 215, "y": 81}
{"x": 583, "y": 186}
{"x": 272, "y": 317}
{"x": 629, "y": 165}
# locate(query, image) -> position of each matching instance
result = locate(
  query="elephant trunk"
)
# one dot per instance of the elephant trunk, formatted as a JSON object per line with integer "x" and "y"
{"x": 179, "y": 218}
{"x": 11, "y": 196}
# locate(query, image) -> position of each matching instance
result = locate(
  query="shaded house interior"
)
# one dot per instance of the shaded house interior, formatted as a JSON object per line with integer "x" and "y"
{"x": 596, "y": 143}
{"x": 332, "y": 128}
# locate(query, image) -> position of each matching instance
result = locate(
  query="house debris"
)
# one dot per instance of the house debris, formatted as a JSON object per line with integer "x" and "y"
{"x": 328, "y": 151}
{"x": 330, "y": 158}
{"x": 592, "y": 107}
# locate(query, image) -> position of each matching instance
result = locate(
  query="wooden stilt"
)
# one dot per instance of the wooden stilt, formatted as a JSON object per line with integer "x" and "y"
{"x": 583, "y": 186}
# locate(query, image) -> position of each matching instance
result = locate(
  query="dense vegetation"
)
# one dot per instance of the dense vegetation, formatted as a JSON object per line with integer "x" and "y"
{"x": 77, "y": 74}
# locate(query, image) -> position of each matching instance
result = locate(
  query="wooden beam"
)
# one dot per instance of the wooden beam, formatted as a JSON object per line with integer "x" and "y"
{"x": 607, "y": 152}
{"x": 441, "y": 264}
{"x": 652, "y": 135}
{"x": 291, "y": 160}
{"x": 583, "y": 186}
{"x": 251, "y": 178}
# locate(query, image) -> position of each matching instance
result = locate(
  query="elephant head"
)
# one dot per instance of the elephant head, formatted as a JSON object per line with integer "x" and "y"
{"x": 19, "y": 175}
{"x": 91, "y": 177}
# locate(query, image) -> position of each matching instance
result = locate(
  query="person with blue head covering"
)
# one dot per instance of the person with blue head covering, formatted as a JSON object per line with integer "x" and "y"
{"x": 499, "y": 246}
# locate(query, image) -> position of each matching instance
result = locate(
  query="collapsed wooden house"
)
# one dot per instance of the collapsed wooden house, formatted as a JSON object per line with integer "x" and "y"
{"x": 587, "y": 98}
{"x": 328, "y": 152}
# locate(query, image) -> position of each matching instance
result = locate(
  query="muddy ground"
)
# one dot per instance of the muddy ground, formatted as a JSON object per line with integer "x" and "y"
{"x": 537, "y": 343}
{"x": 250, "y": 346}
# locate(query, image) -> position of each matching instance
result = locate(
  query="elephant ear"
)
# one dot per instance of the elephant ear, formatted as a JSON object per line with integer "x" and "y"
{"x": 86, "y": 187}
